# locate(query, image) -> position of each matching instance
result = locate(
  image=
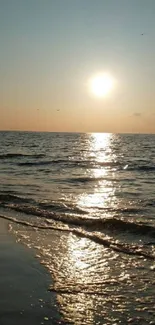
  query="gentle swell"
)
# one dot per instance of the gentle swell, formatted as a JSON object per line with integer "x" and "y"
{"x": 42, "y": 163}
{"x": 19, "y": 155}
{"x": 143, "y": 168}
{"x": 13, "y": 198}
{"x": 37, "y": 163}
{"x": 60, "y": 207}
{"x": 88, "y": 223}
{"x": 98, "y": 238}
{"x": 83, "y": 180}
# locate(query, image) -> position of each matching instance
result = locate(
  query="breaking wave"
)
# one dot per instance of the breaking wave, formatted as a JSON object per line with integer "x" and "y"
{"x": 97, "y": 237}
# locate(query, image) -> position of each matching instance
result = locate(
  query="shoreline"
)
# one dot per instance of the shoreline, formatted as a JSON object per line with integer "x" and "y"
{"x": 24, "y": 285}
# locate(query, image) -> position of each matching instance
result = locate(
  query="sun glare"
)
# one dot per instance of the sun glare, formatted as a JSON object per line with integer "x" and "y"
{"x": 101, "y": 84}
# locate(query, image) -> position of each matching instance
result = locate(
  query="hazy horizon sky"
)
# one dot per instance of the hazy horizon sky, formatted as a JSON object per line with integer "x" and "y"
{"x": 50, "y": 49}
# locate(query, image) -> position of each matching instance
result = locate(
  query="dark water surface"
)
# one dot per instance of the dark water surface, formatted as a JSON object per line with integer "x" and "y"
{"x": 86, "y": 202}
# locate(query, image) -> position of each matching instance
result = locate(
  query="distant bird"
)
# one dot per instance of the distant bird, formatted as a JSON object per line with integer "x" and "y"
{"x": 58, "y": 110}
{"x": 142, "y": 34}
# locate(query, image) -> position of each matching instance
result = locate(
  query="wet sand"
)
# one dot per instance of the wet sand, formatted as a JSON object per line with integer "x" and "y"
{"x": 24, "y": 296}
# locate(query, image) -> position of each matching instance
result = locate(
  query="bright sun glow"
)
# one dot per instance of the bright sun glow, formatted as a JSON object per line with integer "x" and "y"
{"x": 101, "y": 84}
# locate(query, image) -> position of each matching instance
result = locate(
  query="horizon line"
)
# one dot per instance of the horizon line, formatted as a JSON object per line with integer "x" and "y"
{"x": 80, "y": 132}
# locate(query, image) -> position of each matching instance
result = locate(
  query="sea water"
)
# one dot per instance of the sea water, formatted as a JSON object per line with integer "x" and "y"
{"x": 86, "y": 202}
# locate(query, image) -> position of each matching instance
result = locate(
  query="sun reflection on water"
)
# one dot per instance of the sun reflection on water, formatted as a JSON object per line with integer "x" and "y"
{"x": 101, "y": 193}
{"x": 86, "y": 267}
{"x": 100, "y": 144}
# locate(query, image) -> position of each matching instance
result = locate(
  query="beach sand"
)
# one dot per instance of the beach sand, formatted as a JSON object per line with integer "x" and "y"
{"x": 24, "y": 296}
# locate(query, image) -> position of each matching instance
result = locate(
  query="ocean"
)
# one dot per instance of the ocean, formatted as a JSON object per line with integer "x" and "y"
{"x": 86, "y": 203}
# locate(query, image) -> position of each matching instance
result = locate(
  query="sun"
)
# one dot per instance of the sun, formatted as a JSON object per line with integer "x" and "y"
{"x": 101, "y": 84}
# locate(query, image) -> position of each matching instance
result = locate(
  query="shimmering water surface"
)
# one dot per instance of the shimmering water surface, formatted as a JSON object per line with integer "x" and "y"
{"x": 86, "y": 202}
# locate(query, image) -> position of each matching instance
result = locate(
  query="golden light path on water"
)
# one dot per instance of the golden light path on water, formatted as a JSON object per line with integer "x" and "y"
{"x": 87, "y": 268}
{"x": 89, "y": 265}
{"x": 102, "y": 193}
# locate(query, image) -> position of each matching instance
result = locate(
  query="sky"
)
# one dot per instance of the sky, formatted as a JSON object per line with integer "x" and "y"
{"x": 51, "y": 48}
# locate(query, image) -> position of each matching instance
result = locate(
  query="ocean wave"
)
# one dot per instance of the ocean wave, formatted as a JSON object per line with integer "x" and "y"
{"x": 93, "y": 224}
{"x": 128, "y": 249}
{"x": 72, "y": 163}
{"x": 19, "y": 155}
{"x": 35, "y": 163}
{"x": 60, "y": 207}
{"x": 83, "y": 180}
{"x": 82, "y": 288}
{"x": 6, "y": 197}
{"x": 43, "y": 162}
{"x": 48, "y": 207}
{"x": 144, "y": 168}
{"x": 11, "y": 198}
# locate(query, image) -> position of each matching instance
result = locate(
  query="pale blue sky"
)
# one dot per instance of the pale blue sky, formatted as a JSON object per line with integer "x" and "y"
{"x": 49, "y": 49}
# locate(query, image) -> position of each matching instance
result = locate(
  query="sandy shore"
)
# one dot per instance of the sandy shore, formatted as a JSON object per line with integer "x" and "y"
{"x": 24, "y": 298}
